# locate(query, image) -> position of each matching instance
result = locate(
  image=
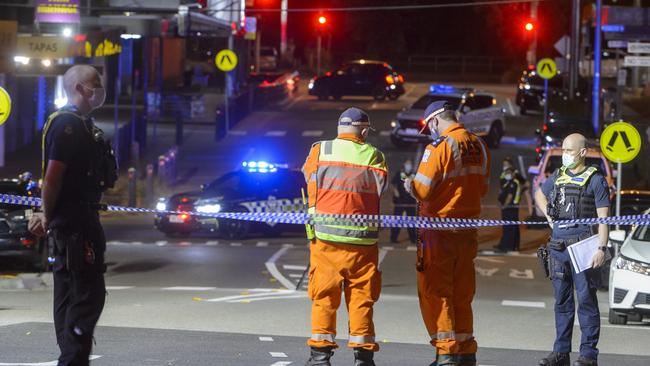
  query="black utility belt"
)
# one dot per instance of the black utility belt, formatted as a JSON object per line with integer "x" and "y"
{"x": 561, "y": 244}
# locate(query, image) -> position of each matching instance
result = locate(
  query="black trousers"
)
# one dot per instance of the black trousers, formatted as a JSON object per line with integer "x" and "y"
{"x": 510, "y": 238}
{"x": 399, "y": 211}
{"x": 78, "y": 302}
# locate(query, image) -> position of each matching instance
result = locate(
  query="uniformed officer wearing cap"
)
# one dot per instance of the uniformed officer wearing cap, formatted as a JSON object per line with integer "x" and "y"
{"x": 344, "y": 176}
{"x": 450, "y": 181}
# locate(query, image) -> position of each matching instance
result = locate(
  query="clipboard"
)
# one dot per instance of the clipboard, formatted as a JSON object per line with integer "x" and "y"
{"x": 583, "y": 251}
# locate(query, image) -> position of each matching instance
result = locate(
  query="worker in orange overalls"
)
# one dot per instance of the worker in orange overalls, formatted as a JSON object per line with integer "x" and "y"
{"x": 344, "y": 176}
{"x": 450, "y": 181}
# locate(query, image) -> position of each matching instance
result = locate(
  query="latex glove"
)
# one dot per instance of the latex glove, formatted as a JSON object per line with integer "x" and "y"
{"x": 408, "y": 186}
{"x": 598, "y": 259}
{"x": 37, "y": 224}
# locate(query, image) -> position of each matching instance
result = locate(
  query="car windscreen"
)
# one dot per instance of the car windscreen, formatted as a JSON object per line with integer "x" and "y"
{"x": 642, "y": 233}
{"x": 555, "y": 162}
{"x": 253, "y": 183}
{"x": 425, "y": 100}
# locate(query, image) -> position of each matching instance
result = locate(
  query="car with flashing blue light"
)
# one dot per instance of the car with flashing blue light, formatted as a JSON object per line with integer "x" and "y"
{"x": 377, "y": 79}
{"x": 256, "y": 187}
{"x": 477, "y": 110}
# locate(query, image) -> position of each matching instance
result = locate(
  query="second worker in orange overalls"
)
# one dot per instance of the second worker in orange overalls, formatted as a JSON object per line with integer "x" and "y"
{"x": 450, "y": 181}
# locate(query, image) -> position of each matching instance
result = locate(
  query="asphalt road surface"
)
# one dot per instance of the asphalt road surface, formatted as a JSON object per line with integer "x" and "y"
{"x": 210, "y": 301}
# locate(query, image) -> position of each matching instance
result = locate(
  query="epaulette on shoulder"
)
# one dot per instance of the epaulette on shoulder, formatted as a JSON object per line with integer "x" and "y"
{"x": 437, "y": 141}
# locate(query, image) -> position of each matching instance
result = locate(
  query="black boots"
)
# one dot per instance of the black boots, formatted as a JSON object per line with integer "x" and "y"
{"x": 320, "y": 357}
{"x": 446, "y": 360}
{"x": 583, "y": 361}
{"x": 555, "y": 359}
{"x": 363, "y": 357}
{"x": 467, "y": 359}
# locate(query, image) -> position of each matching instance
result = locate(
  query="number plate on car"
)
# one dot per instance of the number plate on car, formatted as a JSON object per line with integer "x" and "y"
{"x": 411, "y": 131}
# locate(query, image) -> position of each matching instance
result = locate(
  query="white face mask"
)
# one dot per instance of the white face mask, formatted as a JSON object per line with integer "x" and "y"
{"x": 408, "y": 168}
{"x": 508, "y": 176}
{"x": 98, "y": 98}
{"x": 434, "y": 131}
{"x": 569, "y": 160}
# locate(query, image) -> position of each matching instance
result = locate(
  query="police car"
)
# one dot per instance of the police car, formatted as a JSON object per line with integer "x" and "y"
{"x": 478, "y": 112}
{"x": 258, "y": 186}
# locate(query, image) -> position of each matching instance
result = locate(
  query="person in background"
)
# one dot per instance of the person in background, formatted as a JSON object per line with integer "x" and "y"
{"x": 525, "y": 185}
{"x": 509, "y": 197}
{"x": 402, "y": 201}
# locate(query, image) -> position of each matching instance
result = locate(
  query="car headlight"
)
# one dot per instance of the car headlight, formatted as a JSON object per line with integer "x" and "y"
{"x": 311, "y": 84}
{"x": 161, "y": 206}
{"x": 548, "y": 138}
{"x": 393, "y": 124}
{"x": 527, "y": 86}
{"x": 209, "y": 208}
{"x": 632, "y": 266}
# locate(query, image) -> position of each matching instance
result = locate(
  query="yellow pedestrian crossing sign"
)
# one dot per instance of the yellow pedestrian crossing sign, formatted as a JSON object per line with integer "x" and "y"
{"x": 620, "y": 142}
{"x": 226, "y": 60}
{"x": 546, "y": 68}
{"x": 5, "y": 106}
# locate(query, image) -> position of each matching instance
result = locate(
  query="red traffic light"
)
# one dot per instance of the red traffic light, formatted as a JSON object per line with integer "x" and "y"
{"x": 529, "y": 26}
{"x": 322, "y": 20}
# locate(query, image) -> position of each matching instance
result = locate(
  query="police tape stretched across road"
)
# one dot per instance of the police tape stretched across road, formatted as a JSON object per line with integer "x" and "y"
{"x": 388, "y": 221}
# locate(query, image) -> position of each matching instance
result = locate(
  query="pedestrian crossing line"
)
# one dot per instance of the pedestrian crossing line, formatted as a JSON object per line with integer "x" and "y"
{"x": 276, "y": 133}
{"x": 266, "y": 339}
{"x": 278, "y": 354}
{"x": 117, "y": 288}
{"x": 236, "y": 244}
{"x": 295, "y": 275}
{"x": 161, "y": 243}
{"x": 188, "y": 288}
{"x": 525, "y": 304}
{"x": 262, "y": 244}
{"x": 312, "y": 133}
{"x": 212, "y": 243}
{"x": 288, "y": 245}
{"x": 411, "y": 248}
{"x": 292, "y": 267}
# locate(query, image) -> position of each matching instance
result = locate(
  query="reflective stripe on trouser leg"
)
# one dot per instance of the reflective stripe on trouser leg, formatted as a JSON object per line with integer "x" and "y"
{"x": 362, "y": 339}
{"x": 324, "y": 290}
{"x": 446, "y": 289}
{"x": 323, "y": 337}
{"x": 362, "y": 289}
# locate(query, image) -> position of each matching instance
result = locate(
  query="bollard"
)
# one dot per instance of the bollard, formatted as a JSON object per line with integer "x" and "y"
{"x": 132, "y": 187}
{"x": 161, "y": 169}
{"x": 149, "y": 185}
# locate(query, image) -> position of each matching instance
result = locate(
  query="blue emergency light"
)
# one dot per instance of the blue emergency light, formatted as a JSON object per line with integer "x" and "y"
{"x": 440, "y": 88}
{"x": 259, "y": 167}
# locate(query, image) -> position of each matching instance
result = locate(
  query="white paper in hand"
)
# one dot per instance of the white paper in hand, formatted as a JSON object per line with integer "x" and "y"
{"x": 582, "y": 253}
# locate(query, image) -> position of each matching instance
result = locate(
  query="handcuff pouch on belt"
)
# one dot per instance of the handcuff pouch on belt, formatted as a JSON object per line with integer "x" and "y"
{"x": 71, "y": 250}
{"x": 543, "y": 257}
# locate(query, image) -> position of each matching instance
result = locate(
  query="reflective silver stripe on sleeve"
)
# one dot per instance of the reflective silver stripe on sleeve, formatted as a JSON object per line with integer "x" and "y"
{"x": 444, "y": 335}
{"x": 312, "y": 177}
{"x": 323, "y": 337}
{"x": 327, "y": 148}
{"x": 362, "y": 234}
{"x": 421, "y": 178}
{"x": 462, "y": 337}
{"x": 362, "y": 339}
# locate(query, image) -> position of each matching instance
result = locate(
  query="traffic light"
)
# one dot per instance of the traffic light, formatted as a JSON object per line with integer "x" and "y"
{"x": 529, "y": 26}
{"x": 322, "y": 20}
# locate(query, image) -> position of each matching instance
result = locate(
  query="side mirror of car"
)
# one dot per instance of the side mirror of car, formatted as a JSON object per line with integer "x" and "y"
{"x": 533, "y": 170}
{"x": 617, "y": 236}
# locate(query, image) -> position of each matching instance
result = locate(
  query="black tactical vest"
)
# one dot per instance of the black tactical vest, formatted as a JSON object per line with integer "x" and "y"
{"x": 569, "y": 198}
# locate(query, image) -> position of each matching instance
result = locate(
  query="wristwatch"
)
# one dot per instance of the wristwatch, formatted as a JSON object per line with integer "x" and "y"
{"x": 604, "y": 249}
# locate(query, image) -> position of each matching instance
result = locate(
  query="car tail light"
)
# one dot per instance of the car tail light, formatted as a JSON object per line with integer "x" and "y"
{"x": 422, "y": 123}
{"x": 538, "y": 149}
{"x": 329, "y": 73}
{"x": 545, "y": 127}
{"x": 389, "y": 79}
{"x": 400, "y": 78}
{"x": 26, "y": 242}
{"x": 185, "y": 200}
{"x": 184, "y": 217}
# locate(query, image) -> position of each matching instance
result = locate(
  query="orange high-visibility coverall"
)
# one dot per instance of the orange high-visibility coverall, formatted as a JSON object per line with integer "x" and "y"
{"x": 451, "y": 179}
{"x": 336, "y": 267}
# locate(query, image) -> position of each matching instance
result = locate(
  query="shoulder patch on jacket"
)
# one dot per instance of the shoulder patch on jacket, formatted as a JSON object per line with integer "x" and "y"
{"x": 425, "y": 156}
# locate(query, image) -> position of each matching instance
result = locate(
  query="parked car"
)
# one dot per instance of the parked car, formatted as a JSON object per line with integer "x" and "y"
{"x": 16, "y": 242}
{"x": 530, "y": 91}
{"x": 478, "y": 111}
{"x": 359, "y": 78}
{"x": 559, "y": 126}
{"x": 551, "y": 160}
{"x": 629, "y": 279}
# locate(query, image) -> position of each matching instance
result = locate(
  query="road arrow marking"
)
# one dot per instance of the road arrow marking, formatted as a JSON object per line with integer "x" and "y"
{"x": 50, "y": 363}
{"x": 282, "y": 363}
{"x": 278, "y": 354}
{"x": 526, "y": 274}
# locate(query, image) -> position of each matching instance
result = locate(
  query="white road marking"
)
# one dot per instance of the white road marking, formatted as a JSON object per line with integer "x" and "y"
{"x": 262, "y": 244}
{"x": 486, "y": 272}
{"x": 50, "y": 363}
{"x": 382, "y": 256}
{"x": 278, "y": 354}
{"x": 525, "y": 304}
{"x": 119, "y": 287}
{"x": 411, "y": 248}
{"x": 137, "y": 243}
{"x": 526, "y": 274}
{"x": 491, "y": 260}
{"x": 295, "y": 275}
{"x": 188, "y": 288}
{"x": 385, "y": 133}
{"x": 273, "y": 269}
{"x": 237, "y": 132}
{"x": 511, "y": 107}
{"x": 236, "y": 244}
{"x": 292, "y": 267}
{"x": 287, "y": 245}
{"x": 266, "y": 339}
{"x": 276, "y": 133}
{"x": 312, "y": 133}
{"x": 388, "y": 247}
{"x": 161, "y": 243}
{"x": 282, "y": 363}
{"x": 249, "y": 297}
{"x": 212, "y": 243}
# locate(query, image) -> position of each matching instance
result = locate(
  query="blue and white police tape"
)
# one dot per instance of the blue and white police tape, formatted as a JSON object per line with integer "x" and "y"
{"x": 389, "y": 221}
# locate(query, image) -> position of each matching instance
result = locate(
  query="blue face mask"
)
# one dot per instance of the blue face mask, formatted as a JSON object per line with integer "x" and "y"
{"x": 434, "y": 131}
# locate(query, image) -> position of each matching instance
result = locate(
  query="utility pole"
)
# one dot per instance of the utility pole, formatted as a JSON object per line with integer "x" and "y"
{"x": 635, "y": 70}
{"x": 531, "y": 55}
{"x": 284, "y": 5}
{"x": 595, "y": 93}
{"x": 574, "y": 53}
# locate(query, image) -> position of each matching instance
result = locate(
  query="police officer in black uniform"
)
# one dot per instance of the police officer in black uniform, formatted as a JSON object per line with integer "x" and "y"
{"x": 509, "y": 198}
{"x": 574, "y": 191}
{"x": 403, "y": 202}
{"x": 78, "y": 165}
